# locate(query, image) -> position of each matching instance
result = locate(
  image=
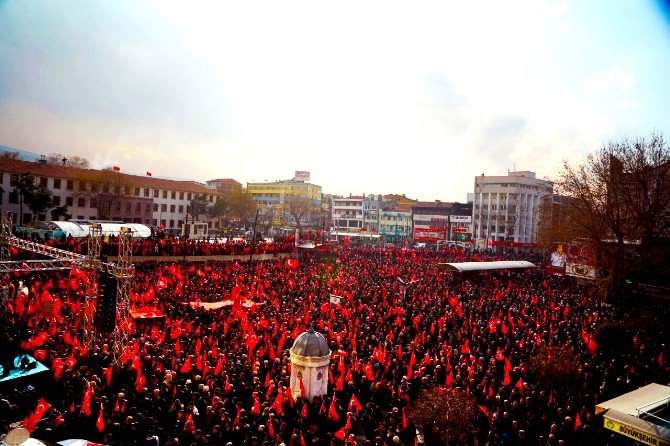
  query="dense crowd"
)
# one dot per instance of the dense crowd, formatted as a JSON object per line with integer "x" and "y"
{"x": 221, "y": 376}
{"x": 174, "y": 246}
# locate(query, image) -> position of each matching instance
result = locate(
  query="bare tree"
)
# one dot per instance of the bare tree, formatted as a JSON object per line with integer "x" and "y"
{"x": 298, "y": 207}
{"x": 10, "y": 155}
{"x": 617, "y": 195}
{"x": 70, "y": 161}
{"x": 450, "y": 411}
{"x": 105, "y": 187}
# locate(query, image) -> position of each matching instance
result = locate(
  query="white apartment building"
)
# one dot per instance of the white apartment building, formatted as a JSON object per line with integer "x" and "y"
{"x": 395, "y": 224}
{"x": 356, "y": 213}
{"x": 506, "y": 208}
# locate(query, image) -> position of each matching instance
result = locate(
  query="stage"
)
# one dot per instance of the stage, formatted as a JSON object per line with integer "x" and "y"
{"x": 17, "y": 373}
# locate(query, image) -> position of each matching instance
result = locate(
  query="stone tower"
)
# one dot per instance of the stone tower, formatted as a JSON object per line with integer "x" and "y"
{"x": 310, "y": 357}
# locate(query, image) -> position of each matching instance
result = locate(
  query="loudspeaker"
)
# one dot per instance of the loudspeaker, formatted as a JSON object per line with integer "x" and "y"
{"x": 105, "y": 311}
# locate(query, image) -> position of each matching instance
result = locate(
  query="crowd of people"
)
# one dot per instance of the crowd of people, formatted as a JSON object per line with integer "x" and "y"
{"x": 174, "y": 246}
{"x": 221, "y": 376}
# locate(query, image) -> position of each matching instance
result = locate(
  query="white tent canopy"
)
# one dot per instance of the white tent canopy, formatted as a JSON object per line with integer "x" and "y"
{"x": 81, "y": 229}
{"x": 485, "y": 266}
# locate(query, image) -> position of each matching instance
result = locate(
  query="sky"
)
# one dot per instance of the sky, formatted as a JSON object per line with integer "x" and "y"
{"x": 413, "y": 98}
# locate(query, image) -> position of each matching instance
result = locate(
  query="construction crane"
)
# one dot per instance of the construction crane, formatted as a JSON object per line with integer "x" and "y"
{"x": 60, "y": 259}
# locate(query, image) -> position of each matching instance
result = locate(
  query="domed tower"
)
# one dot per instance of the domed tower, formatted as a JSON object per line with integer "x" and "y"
{"x": 310, "y": 357}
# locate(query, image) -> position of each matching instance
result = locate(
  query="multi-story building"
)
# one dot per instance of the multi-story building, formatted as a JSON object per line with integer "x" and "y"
{"x": 348, "y": 213}
{"x": 275, "y": 194}
{"x": 395, "y": 225}
{"x": 357, "y": 213}
{"x": 224, "y": 185}
{"x": 398, "y": 202}
{"x": 93, "y": 194}
{"x": 441, "y": 222}
{"x": 506, "y": 208}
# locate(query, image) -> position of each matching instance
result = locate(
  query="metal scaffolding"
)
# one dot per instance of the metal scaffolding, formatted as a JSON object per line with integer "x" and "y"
{"x": 124, "y": 272}
{"x": 122, "y": 269}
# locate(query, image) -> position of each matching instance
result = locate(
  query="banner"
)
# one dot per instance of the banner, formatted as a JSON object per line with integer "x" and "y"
{"x": 335, "y": 299}
{"x": 301, "y": 175}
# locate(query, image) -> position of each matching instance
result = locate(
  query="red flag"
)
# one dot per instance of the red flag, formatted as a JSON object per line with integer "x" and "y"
{"x": 450, "y": 379}
{"x": 354, "y": 404}
{"x": 256, "y": 410}
{"x": 341, "y": 434}
{"x": 578, "y": 421}
{"x": 108, "y": 376}
{"x": 404, "y": 422}
{"x": 148, "y": 174}
{"x": 302, "y": 440}
{"x": 186, "y": 367}
{"x": 340, "y": 382}
{"x": 485, "y": 411}
{"x": 86, "y": 404}
{"x": 303, "y": 392}
{"x": 117, "y": 169}
{"x": 31, "y": 421}
{"x": 100, "y": 423}
{"x": 292, "y": 263}
{"x": 519, "y": 386}
{"x": 278, "y": 405}
{"x": 332, "y": 411}
{"x": 305, "y": 411}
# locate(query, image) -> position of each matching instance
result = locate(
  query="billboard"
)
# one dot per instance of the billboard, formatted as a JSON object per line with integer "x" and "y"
{"x": 432, "y": 234}
{"x": 581, "y": 261}
{"x": 460, "y": 218}
{"x": 301, "y": 175}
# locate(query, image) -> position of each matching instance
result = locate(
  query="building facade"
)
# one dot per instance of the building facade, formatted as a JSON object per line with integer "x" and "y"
{"x": 357, "y": 213}
{"x": 435, "y": 222}
{"x": 507, "y": 208}
{"x": 94, "y": 194}
{"x": 275, "y": 194}
{"x": 395, "y": 225}
{"x": 224, "y": 185}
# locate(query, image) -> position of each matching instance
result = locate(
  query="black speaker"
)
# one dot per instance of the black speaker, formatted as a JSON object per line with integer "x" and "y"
{"x": 105, "y": 311}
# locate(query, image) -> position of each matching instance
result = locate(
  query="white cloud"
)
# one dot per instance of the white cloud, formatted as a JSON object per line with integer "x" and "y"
{"x": 616, "y": 77}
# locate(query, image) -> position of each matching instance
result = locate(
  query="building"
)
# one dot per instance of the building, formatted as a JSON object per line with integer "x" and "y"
{"x": 224, "y": 185}
{"x": 507, "y": 208}
{"x": 275, "y": 194}
{"x": 395, "y": 225}
{"x": 441, "y": 222}
{"x": 398, "y": 202}
{"x": 357, "y": 213}
{"x": 92, "y": 194}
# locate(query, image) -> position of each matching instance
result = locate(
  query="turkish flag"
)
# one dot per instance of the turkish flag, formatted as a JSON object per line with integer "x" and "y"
{"x": 292, "y": 263}
{"x": 100, "y": 423}
{"x": 117, "y": 169}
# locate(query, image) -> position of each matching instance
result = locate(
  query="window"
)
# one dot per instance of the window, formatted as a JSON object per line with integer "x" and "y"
{"x": 94, "y": 203}
{"x": 68, "y": 201}
{"x": 147, "y": 208}
{"x": 154, "y": 222}
{"x": 181, "y": 208}
{"x": 164, "y": 196}
{"x": 163, "y": 207}
{"x": 137, "y": 191}
{"x": 181, "y": 195}
{"x": 117, "y": 190}
{"x": 126, "y": 190}
{"x": 69, "y": 185}
{"x": 155, "y": 209}
{"x": 172, "y": 208}
{"x": 163, "y": 223}
{"x": 173, "y": 195}
{"x": 82, "y": 185}
{"x": 138, "y": 207}
{"x": 56, "y": 200}
{"x": 180, "y": 222}
{"x": 13, "y": 197}
{"x": 81, "y": 202}
{"x": 44, "y": 181}
{"x": 146, "y": 191}
{"x": 155, "y": 193}
{"x": 118, "y": 206}
{"x": 128, "y": 207}
{"x": 172, "y": 223}
{"x": 190, "y": 196}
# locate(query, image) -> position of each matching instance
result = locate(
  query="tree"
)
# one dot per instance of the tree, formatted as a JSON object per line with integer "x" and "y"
{"x": 198, "y": 206}
{"x": 70, "y": 161}
{"x": 553, "y": 366}
{"x": 24, "y": 186}
{"x": 298, "y": 207}
{"x": 450, "y": 411}
{"x": 105, "y": 187}
{"x": 241, "y": 206}
{"x": 619, "y": 194}
{"x": 218, "y": 210}
{"x": 39, "y": 199}
{"x": 10, "y": 155}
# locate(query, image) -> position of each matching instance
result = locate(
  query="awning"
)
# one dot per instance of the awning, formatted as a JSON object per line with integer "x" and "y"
{"x": 642, "y": 398}
{"x": 636, "y": 428}
{"x": 485, "y": 266}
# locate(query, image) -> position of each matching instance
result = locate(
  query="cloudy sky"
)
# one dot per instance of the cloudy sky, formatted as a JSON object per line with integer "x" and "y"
{"x": 371, "y": 97}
